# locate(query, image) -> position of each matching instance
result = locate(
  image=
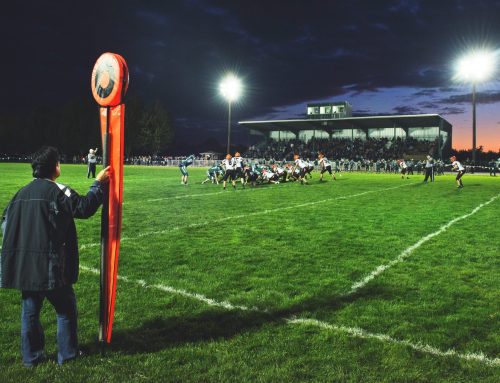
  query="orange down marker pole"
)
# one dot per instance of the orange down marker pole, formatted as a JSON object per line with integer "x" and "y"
{"x": 109, "y": 84}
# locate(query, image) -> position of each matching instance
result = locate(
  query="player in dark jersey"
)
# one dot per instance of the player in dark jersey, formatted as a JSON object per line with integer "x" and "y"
{"x": 213, "y": 174}
{"x": 183, "y": 168}
{"x": 251, "y": 175}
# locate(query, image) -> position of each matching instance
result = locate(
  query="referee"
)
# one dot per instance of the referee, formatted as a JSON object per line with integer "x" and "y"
{"x": 429, "y": 168}
{"x": 92, "y": 161}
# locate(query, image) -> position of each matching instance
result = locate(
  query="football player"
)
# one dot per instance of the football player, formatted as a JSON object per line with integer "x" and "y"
{"x": 403, "y": 168}
{"x": 325, "y": 166}
{"x": 301, "y": 166}
{"x": 213, "y": 174}
{"x": 238, "y": 168}
{"x": 183, "y": 168}
{"x": 457, "y": 167}
{"x": 228, "y": 165}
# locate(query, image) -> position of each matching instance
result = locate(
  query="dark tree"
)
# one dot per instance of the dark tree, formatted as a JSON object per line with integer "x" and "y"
{"x": 156, "y": 129}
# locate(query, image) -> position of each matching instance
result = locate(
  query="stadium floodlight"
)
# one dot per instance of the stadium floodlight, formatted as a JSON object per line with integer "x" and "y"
{"x": 230, "y": 88}
{"x": 476, "y": 67}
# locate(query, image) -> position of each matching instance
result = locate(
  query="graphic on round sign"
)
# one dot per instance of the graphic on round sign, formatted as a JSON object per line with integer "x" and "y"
{"x": 109, "y": 79}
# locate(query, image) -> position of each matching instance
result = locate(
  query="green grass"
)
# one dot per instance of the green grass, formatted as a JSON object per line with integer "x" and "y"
{"x": 282, "y": 254}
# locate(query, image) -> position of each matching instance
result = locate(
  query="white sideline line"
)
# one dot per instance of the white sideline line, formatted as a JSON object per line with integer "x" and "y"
{"x": 173, "y": 290}
{"x": 267, "y": 211}
{"x": 357, "y": 332}
{"x": 351, "y": 331}
{"x": 408, "y": 251}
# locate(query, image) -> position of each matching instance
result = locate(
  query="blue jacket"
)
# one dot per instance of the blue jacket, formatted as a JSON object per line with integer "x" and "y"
{"x": 40, "y": 248}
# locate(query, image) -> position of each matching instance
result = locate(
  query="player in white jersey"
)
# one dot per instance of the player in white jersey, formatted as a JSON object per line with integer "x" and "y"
{"x": 280, "y": 172}
{"x": 301, "y": 166}
{"x": 325, "y": 166}
{"x": 270, "y": 176}
{"x": 457, "y": 167}
{"x": 403, "y": 168}
{"x": 309, "y": 168}
{"x": 238, "y": 168}
{"x": 229, "y": 166}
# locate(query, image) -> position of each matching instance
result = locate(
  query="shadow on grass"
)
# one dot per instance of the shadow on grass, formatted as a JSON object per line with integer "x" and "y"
{"x": 161, "y": 333}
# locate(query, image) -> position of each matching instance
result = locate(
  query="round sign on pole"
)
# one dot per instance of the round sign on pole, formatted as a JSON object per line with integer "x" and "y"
{"x": 109, "y": 79}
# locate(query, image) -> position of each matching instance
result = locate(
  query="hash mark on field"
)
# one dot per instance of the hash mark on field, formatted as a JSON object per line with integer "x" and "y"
{"x": 408, "y": 251}
{"x": 355, "y": 332}
{"x": 240, "y": 216}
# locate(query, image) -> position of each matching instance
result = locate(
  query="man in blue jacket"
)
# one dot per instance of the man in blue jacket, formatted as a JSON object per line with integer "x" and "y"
{"x": 40, "y": 253}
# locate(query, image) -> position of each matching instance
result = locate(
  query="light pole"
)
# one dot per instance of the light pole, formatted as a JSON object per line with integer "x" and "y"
{"x": 228, "y": 125}
{"x": 230, "y": 88}
{"x": 474, "y": 123}
{"x": 474, "y": 68}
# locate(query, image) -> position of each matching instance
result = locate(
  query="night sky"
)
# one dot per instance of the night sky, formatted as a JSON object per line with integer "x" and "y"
{"x": 384, "y": 57}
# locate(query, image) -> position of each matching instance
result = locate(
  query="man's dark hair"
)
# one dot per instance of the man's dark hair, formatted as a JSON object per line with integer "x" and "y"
{"x": 44, "y": 162}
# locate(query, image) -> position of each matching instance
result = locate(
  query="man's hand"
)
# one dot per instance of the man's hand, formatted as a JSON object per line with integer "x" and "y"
{"x": 103, "y": 175}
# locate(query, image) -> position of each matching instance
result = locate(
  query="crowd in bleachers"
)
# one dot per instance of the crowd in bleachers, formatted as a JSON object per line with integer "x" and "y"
{"x": 371, "y": 149}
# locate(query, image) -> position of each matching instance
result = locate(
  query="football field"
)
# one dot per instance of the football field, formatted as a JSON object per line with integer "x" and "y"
{"x": 370, "y": 278}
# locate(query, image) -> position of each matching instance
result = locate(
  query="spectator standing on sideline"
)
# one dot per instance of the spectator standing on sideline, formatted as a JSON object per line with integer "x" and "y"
{"x": 429, "y": 168}
{"x": 493, "y": 168}
{"x": 410, "y": 165}
{"x": 40, "y": 253}
{"x": 92, "y": 161}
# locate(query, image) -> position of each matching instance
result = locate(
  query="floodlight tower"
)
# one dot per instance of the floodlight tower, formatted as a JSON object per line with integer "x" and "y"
{"x": 475, "y": 67}
{"x": 230, "y": 88}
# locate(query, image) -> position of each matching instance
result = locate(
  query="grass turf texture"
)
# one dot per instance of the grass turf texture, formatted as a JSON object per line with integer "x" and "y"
{"x": 284, "y": 252}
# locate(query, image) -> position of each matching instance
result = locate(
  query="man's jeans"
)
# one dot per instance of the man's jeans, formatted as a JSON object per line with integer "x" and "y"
{"x": 32, "y": 336}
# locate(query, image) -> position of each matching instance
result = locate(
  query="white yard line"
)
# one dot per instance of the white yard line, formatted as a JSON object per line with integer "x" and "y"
{"x": 240, "y": 216}
{"x": 357, "y": 332}
{"x": 408, "y": 251}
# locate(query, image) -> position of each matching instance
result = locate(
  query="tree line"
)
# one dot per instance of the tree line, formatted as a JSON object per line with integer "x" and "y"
{"x": 75, "y": 127}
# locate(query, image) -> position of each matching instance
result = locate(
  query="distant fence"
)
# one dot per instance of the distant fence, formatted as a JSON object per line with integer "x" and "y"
{"x": 346, "y": 166}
